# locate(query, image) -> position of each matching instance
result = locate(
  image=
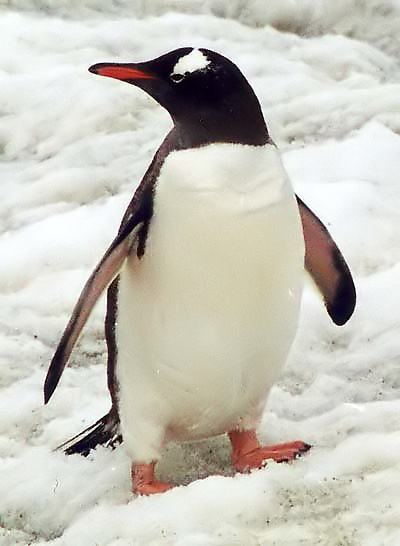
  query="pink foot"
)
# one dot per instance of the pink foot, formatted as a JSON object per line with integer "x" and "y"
{"x": 143, "y": 481}
{"x": 247, "y": 453}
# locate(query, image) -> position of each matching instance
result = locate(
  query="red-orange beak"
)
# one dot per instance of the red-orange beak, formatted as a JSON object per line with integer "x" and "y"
{"x": 125, "y": 72}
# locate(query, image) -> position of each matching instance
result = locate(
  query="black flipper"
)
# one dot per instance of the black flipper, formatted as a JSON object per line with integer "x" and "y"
{"x": 103, "y": 274}
{"x": 327, "y": 267}
{"x": 132, "y": 233}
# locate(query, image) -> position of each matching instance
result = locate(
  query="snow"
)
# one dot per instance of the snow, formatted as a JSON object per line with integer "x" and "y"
{"x": 73, "y": 147}
{"x": 193, "y": 61}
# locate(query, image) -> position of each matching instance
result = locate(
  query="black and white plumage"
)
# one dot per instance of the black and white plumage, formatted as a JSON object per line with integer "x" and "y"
{"x": 205, "y": 274}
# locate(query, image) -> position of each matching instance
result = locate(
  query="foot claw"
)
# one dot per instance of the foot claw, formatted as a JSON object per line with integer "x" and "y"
{"x": 143, "y": 482}
{"x": 152, "y": 488}
{"x": 306, "y": 447}
{"x": 248, "y": 453}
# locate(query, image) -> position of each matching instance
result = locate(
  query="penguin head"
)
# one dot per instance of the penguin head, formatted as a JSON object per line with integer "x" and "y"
{"x": 205, "y": 93}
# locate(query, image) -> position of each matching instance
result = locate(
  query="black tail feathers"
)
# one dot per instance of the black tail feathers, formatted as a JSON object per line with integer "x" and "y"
{"x": 105, "y": 431}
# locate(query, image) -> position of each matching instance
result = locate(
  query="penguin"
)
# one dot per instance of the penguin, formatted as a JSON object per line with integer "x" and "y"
{"x": 205, "y": 275}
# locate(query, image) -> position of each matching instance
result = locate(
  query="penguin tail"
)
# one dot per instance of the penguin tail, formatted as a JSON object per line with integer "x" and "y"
{"x": 105, "y": 431}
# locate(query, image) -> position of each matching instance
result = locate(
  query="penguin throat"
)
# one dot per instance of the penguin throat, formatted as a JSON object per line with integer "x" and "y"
{"x": 212, "y": 129}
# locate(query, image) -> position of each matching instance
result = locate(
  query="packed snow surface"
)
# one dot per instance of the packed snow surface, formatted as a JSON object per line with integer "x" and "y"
{"x": 74, "y": 147}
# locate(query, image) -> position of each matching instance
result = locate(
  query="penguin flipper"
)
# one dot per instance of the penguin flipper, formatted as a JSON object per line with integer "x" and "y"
{"x": 327, "y": 267}
{"x": 136, "y": 217}
{"x": 107, "y": 269}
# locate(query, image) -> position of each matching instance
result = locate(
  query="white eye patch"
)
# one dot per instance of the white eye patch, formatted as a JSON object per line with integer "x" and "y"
{"x": 195, "y": 60}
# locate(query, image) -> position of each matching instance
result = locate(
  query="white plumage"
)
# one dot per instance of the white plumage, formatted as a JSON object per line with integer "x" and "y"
{"x": 207, "y": 316}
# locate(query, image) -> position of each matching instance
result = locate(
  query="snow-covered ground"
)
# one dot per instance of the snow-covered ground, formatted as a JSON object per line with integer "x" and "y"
{"x": 74, "y": 146}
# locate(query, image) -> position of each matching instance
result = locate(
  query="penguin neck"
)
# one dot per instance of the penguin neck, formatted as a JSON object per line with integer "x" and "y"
{"x": 231, "y": 126}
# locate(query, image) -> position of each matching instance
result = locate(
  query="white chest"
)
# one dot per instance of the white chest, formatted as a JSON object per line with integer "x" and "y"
{"x": 209, "y": 313}
{"x": 225, "y": 230}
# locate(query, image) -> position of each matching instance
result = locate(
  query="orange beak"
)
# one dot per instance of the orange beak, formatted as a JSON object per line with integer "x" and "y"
{"x": 124, "y": 72}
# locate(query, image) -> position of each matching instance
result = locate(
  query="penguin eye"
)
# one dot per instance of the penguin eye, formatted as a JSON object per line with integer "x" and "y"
{"x": 177, "y": 78}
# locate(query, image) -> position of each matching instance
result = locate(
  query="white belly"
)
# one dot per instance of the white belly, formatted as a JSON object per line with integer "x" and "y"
{"x": 207, "y": 316}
